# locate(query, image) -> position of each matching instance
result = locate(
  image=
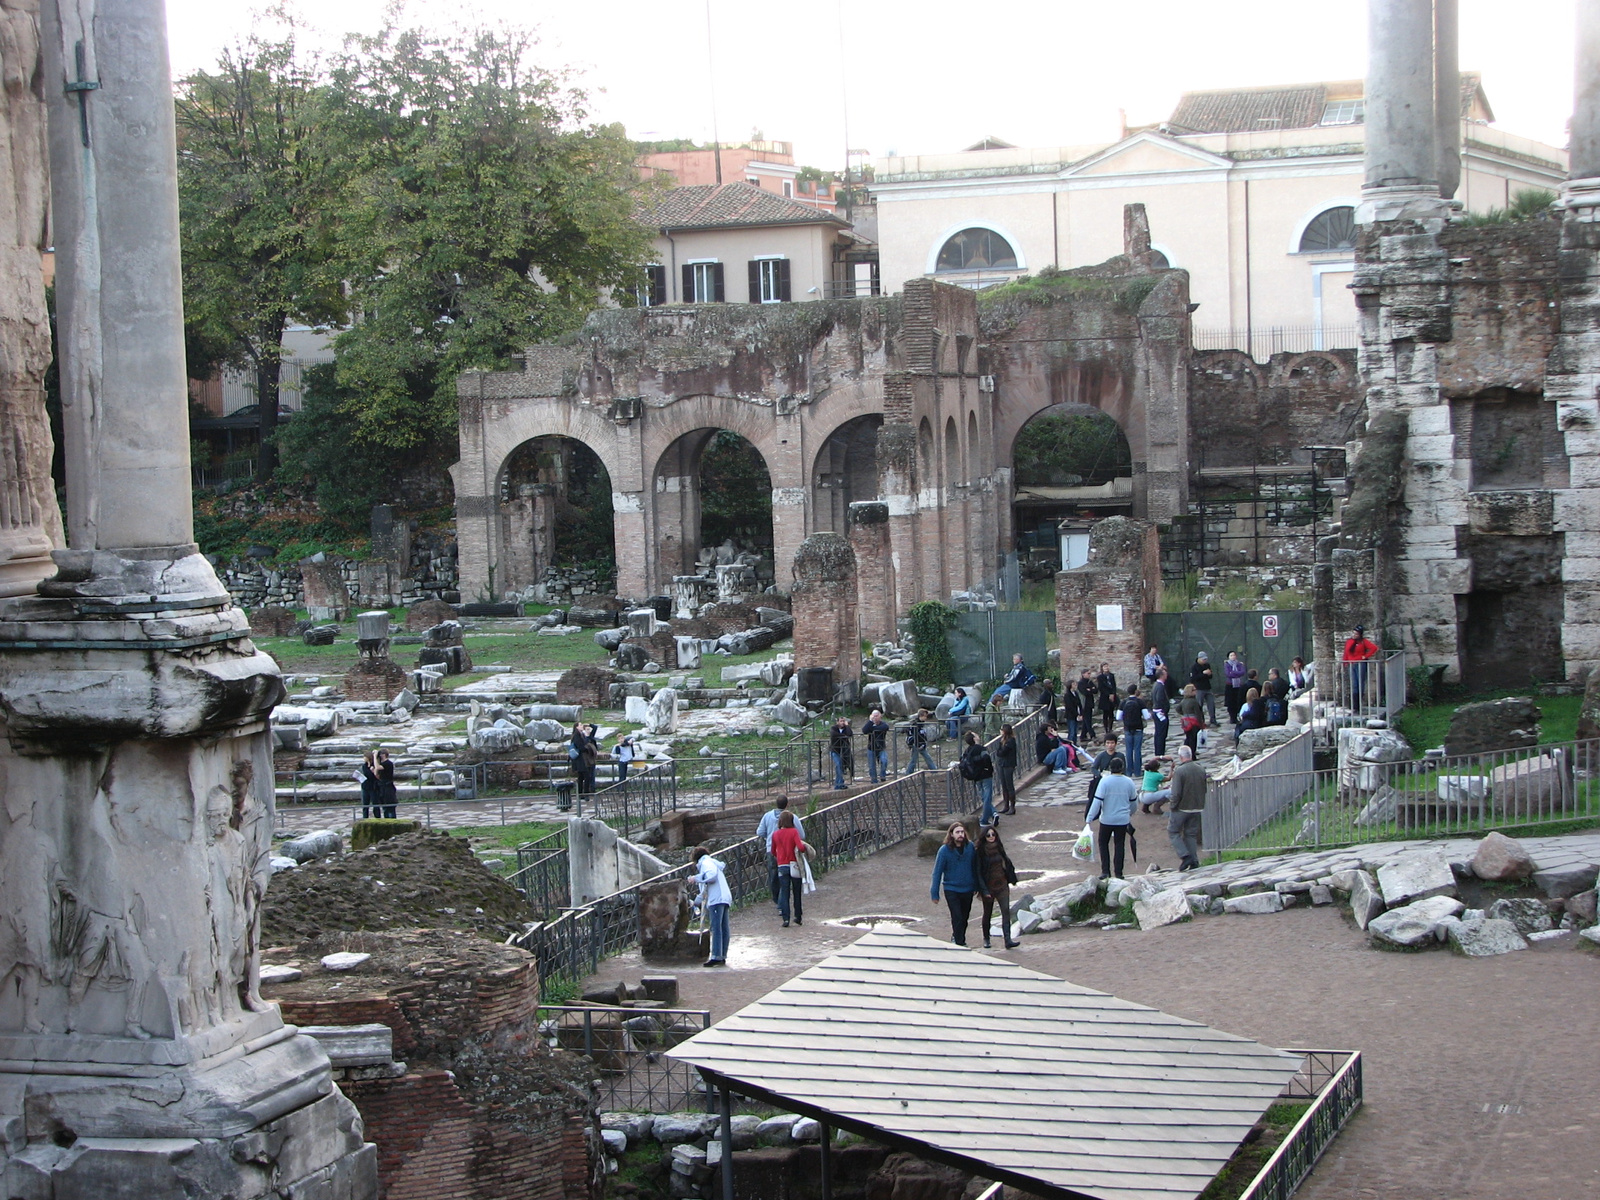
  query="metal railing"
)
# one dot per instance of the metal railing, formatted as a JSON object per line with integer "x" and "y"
{"x": 1333, "y": 1103}
{"x": 1262, "y": 343}
{"x": 571, "y": 946}
{"x": 648, "y": 793}
{"x": 628, "y": 1047}
{"x": 544, "y": 873}
{"x": 1270, "y": 809}
{"x": 1352, "y": 693}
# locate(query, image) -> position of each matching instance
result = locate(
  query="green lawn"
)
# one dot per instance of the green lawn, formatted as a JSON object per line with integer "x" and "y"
{"x": 507, "y": 837}
{"x": 1425, "y": 725}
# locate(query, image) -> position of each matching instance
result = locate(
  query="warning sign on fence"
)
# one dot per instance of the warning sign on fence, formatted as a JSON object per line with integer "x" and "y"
{"x": 1269, "y": 625}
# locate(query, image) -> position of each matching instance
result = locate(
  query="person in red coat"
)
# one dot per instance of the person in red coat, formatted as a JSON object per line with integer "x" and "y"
{"x": 787, "y": 847}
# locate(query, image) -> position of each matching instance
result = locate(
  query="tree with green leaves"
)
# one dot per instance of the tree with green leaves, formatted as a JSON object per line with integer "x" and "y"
{"x": 254, "y": 194}
{"x": 1068, "y": 449}
{"x": 481, "y": 213}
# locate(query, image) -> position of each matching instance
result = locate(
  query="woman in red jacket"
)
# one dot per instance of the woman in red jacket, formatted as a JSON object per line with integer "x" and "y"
{"x": 787, "y": 847}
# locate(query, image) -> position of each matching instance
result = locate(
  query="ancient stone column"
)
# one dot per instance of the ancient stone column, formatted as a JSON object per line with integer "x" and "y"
{"x": 136, "y": 1054}
{"x": 824, "y": 605}
{"x": 1582, "y": 192}
{"x": 868, "y": 521}
{"x": 1400, "y": 126}
{"x": 30, "y": 522}
{"x": 1447, "y": 93}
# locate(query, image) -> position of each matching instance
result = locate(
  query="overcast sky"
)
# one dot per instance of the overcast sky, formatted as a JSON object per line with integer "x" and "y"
{"x": 920, "y": 76}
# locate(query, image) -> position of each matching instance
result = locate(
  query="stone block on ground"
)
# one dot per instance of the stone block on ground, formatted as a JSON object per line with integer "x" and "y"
{"x": 1416, "y": 876}
{"x": 790, "y": 713}
{"x": 1254, "y": 903}
{"x": 672, "y": 1129}
{"x": 311, "y": 846}
{"x": 272, "y": 620}
{"x": 777, "y": 1131}
{"x": 1560, "y": 882}
{"x": 1531, "y": 787}
{"x": 1256, "y": 741}
{"x": 1484, "y": 937}
{"x": 662, "y": 713}
{"x": 424, "y": 616}
{"x": 660, "y": 987}
{"x": 1501, "y": 859}
{"x": 1166, "y": 907}
{"x": 1508, "y": 724}
{"x": 1527, "y": 914}
{"x": 1413, "y": 926}
{"x": 899, "y": 699}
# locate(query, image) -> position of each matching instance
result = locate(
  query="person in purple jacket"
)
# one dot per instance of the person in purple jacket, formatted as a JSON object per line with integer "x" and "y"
{"x": 1234, "y": 675}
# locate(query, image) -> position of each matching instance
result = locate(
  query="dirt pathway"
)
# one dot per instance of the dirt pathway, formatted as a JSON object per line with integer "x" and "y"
{"x": 1480, "y": 1073}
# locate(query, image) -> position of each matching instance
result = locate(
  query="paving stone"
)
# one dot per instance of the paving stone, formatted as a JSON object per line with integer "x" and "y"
{"x": 1416, "y": 925}
{"x": 1321, "y": 896}
{"x": 1416, "y": 877}
{"x": 1528, "y": 915}
{"x": 1553, "y": 939}
{"x": 1366, "y": 901}
{"x": 1255, "y": 902}
{"x": 1483, "y": 939}
{"x": 1166, "y": 907}
{"x": 1560, "y": 882}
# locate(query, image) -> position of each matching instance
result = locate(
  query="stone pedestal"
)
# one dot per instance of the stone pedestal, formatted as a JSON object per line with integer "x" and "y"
{"x": 1100, "y": 606}
{"x": 136, "y": 1055}
{"x": 824, "y": 604}
{"x": 869, "y": 539}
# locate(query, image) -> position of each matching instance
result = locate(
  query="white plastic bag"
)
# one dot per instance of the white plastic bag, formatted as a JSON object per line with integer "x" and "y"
{"x": 1202, "y": 740}
{"x": 1084, "y": 846}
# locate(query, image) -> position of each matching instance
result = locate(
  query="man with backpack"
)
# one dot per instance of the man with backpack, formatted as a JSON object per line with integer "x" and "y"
{"x": 917, "y": 741}
{"x": 977, "y": 765}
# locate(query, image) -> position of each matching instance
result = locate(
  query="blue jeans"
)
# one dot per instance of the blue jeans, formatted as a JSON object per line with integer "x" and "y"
{"x": 1056, "y": 760}
{"x": 952, "y": 727}
{"x": 719, "y": 932}
{"x": 986, "y": 794}
{"x": 1000, "y": 693}
{"x": 1072, "y": 729}
{"x": 789, "y": 888}
{"x": 1133, "y": 744}
{"x": 1358, "y": 684}
{"x": 922, "y": 753}
{"x": 878, "y": 765}
{"x": 838, "y": 769}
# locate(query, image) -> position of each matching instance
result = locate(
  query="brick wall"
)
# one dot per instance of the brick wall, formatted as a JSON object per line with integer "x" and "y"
{"x": 437, "y": 1139}
{"x": 1124, "y": 570}
{"x": 1243, "y": 413}
{"x": 824, "y": 606}
{"x": 869, "y": 538}
{"x": 374, "y": 681}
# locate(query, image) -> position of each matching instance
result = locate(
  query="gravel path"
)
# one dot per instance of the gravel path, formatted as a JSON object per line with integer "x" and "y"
{"x": 1480, "y": 1073}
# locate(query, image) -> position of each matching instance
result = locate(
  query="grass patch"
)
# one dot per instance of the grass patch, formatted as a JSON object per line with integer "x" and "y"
{"x": 1425, "y": 725}
{"x": 1253, "y": 1153}
{"x": 507, "y": 837}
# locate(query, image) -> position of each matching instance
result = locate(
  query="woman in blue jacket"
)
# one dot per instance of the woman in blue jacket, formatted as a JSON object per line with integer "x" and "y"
{"x": 957, "y": 868}
{"x": 958, "y": 713}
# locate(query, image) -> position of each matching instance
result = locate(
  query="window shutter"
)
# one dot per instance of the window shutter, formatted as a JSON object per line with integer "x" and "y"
{"x": 688, "y": 284}
{"x": 658, "y": 285}
{"x": 783, "y": 279}
{"x": 721, "y": 290}
{"x": 755, "y": 281}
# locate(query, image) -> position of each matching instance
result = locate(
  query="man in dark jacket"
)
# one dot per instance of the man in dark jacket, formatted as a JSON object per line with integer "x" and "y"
{"x": 1200, "y": 675}
{"x": 876, "y": 731}
{"x": 978, "y": 766}
{"x": 1188, "y": 786}
{"x": 1160, "y": 709}
{"x": 1134, "y": 715}
{"x": 1070, "y": 709}
{"x": 1105, "y": 685}
{"x": 1086, "y": 695}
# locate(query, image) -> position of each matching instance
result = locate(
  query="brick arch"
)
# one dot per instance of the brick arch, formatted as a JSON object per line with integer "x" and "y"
{"x": 1065, "y": 410}
{"x": 1232, "y": 362}
{"x": 1317, "y": 367}
{"x": 753, "y": 422}
{"x": 544, "y": 417}
{"x": 1075, "y": 384}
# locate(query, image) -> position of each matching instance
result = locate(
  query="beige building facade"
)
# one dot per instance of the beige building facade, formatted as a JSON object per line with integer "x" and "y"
{"x": 1252, "y": 192}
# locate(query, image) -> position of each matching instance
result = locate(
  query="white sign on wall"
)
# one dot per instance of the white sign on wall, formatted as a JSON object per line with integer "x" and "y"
{"x": 1108, "y": 616}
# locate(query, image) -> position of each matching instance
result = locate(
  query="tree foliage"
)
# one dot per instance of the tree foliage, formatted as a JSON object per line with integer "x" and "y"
{"x": 930, "y": 623}
{"x": 481, "y": 214}
{"x": 441, "y": 195}
{"x": 1065, "y": 450}
{"x": 254, "y": 189}
{"x": 735, "y": 493}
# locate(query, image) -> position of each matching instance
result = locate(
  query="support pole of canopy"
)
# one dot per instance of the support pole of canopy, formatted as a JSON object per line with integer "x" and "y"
{"x": 726, "y": 1098}
{"x": 827, "y": 1162}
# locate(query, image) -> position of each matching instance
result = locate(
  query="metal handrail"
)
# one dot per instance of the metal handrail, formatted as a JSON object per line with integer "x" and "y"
{"x": 1312, "y": 1134}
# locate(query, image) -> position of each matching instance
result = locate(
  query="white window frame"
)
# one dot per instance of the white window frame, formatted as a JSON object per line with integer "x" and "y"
{"x": 764, "y": 260}
{"x": 1356, "y": 108}
{"x": 710, "y": 276}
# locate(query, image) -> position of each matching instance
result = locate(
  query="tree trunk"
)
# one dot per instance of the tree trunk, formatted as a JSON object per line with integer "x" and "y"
{"x": 268, "y": 368}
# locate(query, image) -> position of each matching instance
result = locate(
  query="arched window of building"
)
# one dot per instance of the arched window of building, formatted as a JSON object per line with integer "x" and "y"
{"x": 1333, "y": 229}
{"x": 977, "y": 250}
